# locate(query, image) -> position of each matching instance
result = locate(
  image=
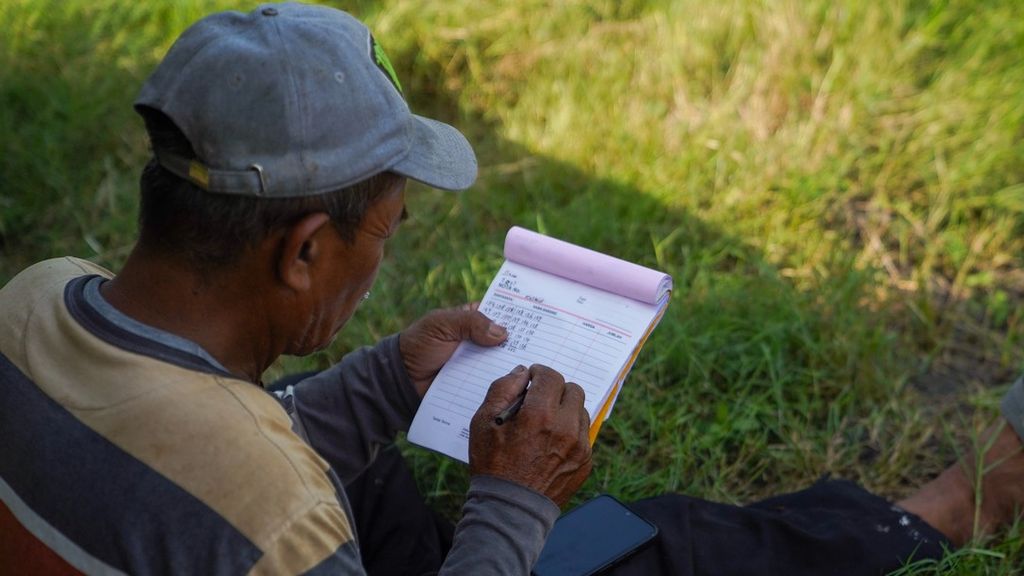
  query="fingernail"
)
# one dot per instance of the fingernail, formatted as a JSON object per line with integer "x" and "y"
{"x": 496, "y": 330}
{"x": 519, "y": 369}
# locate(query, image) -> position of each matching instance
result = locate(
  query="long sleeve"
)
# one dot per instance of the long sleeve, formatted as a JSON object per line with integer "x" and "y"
{"x": 502, "y": 531}
{"x": 347, "y": 413}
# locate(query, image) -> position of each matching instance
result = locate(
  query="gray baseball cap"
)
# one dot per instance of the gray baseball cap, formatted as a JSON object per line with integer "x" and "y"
{"x": 295, "y": 100}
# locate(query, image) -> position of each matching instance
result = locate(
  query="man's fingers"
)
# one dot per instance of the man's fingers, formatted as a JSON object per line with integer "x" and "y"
{"x": 467, "y": 323}
{"x": 573, "y": 399}
{"x": 504, "y": 391}
{"x": 546, "y": 389}
{"x": 574, "y": 396}
{"x": 484, "y": 332}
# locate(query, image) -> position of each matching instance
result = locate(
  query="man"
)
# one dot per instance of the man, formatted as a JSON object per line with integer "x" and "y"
{"x": 137, "y": 437}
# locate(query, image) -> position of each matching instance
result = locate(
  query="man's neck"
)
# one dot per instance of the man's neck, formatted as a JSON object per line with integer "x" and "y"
{"x": 224, "y": 317}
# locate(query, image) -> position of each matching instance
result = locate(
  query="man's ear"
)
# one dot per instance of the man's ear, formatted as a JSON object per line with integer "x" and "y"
{"x": 300, "y": 247}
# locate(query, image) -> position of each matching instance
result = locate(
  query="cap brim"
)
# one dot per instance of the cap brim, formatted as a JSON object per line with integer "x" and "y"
{"x": 439, "y": 156}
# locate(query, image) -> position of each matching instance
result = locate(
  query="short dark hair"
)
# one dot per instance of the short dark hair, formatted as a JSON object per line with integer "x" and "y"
{"x": 211, "y": 231}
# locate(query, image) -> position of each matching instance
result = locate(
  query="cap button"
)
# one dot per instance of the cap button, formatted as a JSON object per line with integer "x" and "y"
{"x": 269, "y": 11}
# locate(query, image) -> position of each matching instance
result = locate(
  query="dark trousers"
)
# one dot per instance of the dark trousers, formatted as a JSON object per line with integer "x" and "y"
{"x": 398, "y": 533}
{"x": 831, "y": 528}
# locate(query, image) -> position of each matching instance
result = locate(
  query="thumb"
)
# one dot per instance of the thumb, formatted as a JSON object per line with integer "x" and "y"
{"x": 480, "y": 329}
{"x": 504, "y": 391}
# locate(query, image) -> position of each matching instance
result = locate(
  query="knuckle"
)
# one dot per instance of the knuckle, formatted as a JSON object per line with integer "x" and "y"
{"x": 549, "y": 376}
{"x": 564, "y": 436}
{"x": 543, "y": 371}
{"x": 584, "y": 415}
{"x": 575, "y": 393}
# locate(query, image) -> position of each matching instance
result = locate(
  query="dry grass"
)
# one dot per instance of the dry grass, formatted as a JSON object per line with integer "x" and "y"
{"x": 837, "y": 188}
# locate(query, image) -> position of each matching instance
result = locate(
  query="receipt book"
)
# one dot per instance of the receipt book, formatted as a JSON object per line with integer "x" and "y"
{"x": 580, "y": 312}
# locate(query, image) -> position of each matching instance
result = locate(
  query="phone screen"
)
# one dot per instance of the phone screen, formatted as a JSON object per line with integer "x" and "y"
{"x": 591, "y": 537}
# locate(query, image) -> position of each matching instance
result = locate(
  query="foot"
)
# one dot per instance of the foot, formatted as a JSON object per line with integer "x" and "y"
{"x": 1002, "y": 493}
{"x": 975, "y": 496}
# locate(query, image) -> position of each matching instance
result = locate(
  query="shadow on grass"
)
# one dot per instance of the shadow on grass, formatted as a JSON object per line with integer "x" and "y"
{"x": 749, "y": 387}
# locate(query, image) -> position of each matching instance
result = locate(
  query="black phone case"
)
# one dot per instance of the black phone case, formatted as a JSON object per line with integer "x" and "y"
{"x": 541, "y": 570}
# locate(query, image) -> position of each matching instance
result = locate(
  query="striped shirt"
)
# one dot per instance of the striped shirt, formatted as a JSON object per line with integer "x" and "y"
{"x": 127, "y": 449}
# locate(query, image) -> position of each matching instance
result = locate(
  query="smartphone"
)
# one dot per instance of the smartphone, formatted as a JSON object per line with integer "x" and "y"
{"x": 593, "y": 537}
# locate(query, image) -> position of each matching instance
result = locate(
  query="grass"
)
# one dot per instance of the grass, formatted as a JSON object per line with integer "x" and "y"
{"x": 836, "y": 187}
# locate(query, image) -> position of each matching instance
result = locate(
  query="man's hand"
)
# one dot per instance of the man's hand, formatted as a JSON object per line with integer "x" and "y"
{"x": 546, "y": 446}
{"x": 430, "y": 341}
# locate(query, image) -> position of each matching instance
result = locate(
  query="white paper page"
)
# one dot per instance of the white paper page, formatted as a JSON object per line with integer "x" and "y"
{"x": 584, "y": 333}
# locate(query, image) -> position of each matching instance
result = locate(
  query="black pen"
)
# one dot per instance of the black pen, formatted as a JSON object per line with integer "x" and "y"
{"x": 507, "y": 414}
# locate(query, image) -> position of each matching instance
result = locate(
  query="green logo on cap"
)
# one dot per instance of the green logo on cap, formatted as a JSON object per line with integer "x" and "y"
{"x": 382, "y": 61}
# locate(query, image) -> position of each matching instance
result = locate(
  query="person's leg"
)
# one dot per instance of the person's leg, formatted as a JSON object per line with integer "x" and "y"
{"x": 996, "y": 480}
{"x": 834, "y": 527}
{"x": 398, "y": 533}
{"x": 838, "y": 528}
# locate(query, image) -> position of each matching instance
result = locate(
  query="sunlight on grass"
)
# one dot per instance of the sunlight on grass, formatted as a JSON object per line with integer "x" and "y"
{"x": 837, "y": 188}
